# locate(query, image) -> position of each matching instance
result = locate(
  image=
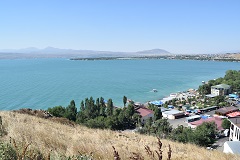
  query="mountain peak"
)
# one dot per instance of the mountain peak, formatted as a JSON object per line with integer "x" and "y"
{"x": 154, "y": 51}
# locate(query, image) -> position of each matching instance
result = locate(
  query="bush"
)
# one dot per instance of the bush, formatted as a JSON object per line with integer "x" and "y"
{"x": 226, "y": 124}
{"x": 7, "y": 152}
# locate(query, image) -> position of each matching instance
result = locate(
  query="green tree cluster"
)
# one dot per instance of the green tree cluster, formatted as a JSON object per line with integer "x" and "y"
{"x": 203, "y": 135}
{"x": 226, "y": 124}
{"x": 97, "y": 114}
{"x": 160, "y": 128}
{"x": 68, "y": 112}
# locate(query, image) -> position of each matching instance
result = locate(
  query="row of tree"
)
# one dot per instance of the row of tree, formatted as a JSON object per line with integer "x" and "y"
{"x": 97, "y": 114}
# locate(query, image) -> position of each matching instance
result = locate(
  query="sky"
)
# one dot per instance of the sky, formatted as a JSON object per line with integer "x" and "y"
{"x": 178, "y": 26}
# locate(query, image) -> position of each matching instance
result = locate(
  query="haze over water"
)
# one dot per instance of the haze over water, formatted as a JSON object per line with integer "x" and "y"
{"x": 43, "y": 83}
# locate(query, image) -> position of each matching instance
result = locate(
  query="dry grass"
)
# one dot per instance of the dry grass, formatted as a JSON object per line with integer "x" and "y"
{"x": 49, "y": 136}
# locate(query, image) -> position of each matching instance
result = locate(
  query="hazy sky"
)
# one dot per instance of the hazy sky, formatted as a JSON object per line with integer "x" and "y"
{"x": 180, "y": 26}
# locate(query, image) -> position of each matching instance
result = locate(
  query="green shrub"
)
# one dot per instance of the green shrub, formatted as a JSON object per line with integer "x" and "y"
{"x": 7, "y": 152}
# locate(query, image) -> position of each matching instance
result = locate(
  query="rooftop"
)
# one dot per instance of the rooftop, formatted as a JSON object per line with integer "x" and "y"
{"x": 217, "y": 120}
{"x": 144, "y": 111}
{"x": 224, "y": 86}
{"x": 233, "y": 114}
{"x": 235, "y": 121}
{"x": 226, "y": 110}
{"x": 173, "y": 112}
{"x": 192, "y": 117}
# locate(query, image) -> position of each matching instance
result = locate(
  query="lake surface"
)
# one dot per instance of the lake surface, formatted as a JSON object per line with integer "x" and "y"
{"x": 43, "y": 83}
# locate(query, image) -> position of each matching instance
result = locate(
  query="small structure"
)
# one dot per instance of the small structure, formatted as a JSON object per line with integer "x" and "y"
{"x": 193, "y": 118}
{"x": 145, "y": 113}
{"x": 234, "y": 129}
{"x": 231, "y": 147}
{"x": 211, "y": 95}
{"x": 233, "y": 96}
{"x": 216, "y": 120}
{"x": 156, "y": 103}
{"x": 209, "y": 109}
{"x": 221, "y": 89}
{"x": 173, "y": 114}
{"x": 226, "y": 110}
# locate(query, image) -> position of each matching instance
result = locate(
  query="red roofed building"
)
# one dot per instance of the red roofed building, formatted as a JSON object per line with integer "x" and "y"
{"x": 233, "y": 114}
{"x": 217, "y": 120}
{"x": 145, "y": 113}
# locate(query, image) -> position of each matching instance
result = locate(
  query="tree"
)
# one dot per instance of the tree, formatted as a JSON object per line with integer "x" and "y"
{"x": 163, "y": 127}
{"x": 130, "y": 111}
{"x": 102, "y": 107}
{"x": 82, "y": 107}
{"x": 226, "y": 124}
{"x": 57, "y": 111}
{"x": 182, "y": 134}
{"x": 71, "y": 111}
{"x": 124, "y": 100}
{"x": 204, "y": 134}
{"x": 109, "y": 107}
{"x": 157, "y": 113}
{"x": 218, "y": 99}
{"x": 148, "y": 125}
{"x": 204, "y": 89}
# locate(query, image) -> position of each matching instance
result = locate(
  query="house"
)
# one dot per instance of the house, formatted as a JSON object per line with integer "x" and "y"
{"x": 173, "y": 114}
{"x": 145, "y": 113}
{"x": 221, "y": 89}
{"x": 226, "y": 110}
{"x": 231, "y": 147}
{"x": 234, "y": 129}
{"x": 216, "y": 120}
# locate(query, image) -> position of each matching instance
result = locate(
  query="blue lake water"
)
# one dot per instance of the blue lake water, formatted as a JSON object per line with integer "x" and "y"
{"x": 43, "y": 83}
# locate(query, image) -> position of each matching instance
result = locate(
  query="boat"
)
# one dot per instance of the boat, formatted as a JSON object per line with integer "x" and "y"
{"x": 154, "y": 90}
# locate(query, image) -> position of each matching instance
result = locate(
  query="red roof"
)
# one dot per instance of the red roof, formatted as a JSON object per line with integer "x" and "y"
{"x": 217, "y": 121}
{"x": 144, "y": 111}
{"x": 233, "y": 114}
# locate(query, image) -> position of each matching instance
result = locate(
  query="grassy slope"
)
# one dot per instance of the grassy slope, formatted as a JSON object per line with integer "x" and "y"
{"x": 47, "y": 135}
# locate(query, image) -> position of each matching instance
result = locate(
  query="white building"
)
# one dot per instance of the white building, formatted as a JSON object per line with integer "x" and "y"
{"x": 173, "y": 114}
{"x": 221, "y": 89}
{"x": 234, "y": 129}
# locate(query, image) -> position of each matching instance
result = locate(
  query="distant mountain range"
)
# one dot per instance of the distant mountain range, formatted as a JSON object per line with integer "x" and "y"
{"x": 51, "y": 52}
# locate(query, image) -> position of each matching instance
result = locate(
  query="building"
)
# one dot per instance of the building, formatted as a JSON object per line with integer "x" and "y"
{"x": 234, "y": 129}
{"x": 231, "y": 147}
{"x": 226, "y": 110}
{"x": 173, "y": 114}
{"x": 221, "y": 90}
{"x": 145, "y": 113}
{"x": 216, "y": 120}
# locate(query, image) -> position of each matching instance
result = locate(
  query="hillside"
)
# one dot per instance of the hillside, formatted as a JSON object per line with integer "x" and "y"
{"x": 49, "y": 136}
{"x": 236, "y": 55}
{"x": 51, "y": 52}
